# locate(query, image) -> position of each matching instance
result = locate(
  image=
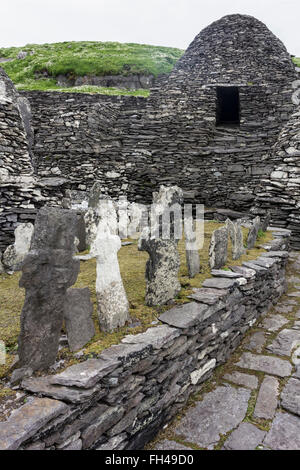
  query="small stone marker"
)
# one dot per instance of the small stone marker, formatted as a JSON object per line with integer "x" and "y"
{"x": 113, "y": 306}
{"x": 218, "y": 248}
{"x": 191, "y": 250}
{"x": 253, "y": 232}
{"x": 15, "y": 254}
{"x": 48, "y": 270}
{"x": 236, "y": 237}
{"x": 78, "y": 310}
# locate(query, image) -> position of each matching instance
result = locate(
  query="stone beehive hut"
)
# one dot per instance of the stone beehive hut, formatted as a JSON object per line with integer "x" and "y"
{"x": 220, "y": 111}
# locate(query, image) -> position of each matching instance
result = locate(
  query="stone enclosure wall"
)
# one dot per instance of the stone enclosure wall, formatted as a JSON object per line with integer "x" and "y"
{"x": 120, "y": 399}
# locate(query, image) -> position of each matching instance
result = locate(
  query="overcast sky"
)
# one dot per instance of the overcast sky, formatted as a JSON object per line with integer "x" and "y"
{"x": 159, "y": 22}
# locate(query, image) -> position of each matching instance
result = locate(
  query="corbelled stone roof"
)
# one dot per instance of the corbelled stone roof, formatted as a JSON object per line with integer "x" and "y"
{"x": 236, "y": 48}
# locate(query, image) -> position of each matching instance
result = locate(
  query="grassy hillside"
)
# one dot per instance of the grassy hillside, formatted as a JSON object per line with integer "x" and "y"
{"x": 43, "y": 63}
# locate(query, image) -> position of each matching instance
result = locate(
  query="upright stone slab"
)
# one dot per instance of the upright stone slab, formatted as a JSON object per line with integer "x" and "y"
{"x": 78, "y": 310}
{"x": 15, "y": 254}
{"x": 266, "y": 221}
{"x": 113, "y": 307}
{"x": 236, "y": 237}
{"x": 48, "y": 270}
{"x": 162, "y": 284}
{"x": 191, "y": 251}
{"x": 101, "y": 209}
{"x": 218, "y": 248}
{"x": 253, "y": 232}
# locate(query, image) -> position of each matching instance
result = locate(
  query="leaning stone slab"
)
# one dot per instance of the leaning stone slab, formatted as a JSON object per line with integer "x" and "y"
{"x": 44, "y": 387}
{"x": 218, "y": 248}
{"x": 267, "y": 399}
{"x": 208, "y": 296}
{"x": 223, "y": 283}
{"x": 78, "y": 310}
{"x": 186, "y": 315}
{"x": 86, "y": 374}
{"x": 27, "y": 420}
{"x": 157, "y": 336}
{"x": 284, "y": 433}
{"x": 253, "y": 232}
{"x": 220, "y": 411}
{"x": 286, "y": 341}
{"x": 274, "y": 322}
{"x": 290, "y": 396}
{"x": 268, "y": 364}
{"x": 247, "y": 380}
{"x": 245, "y": 437}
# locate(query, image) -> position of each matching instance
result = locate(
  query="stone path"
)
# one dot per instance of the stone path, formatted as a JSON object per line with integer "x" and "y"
{"x": 253, "y": 401}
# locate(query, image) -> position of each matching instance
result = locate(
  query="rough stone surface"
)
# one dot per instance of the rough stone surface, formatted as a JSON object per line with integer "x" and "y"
{"x": 170, "y": 445}
{"x": 268, "y": 364}
{"x": 285, "y": 342}
{"x": 245, "y": 437}
{"x": 218, "y": 248}
{"x": 15, "y": 254}
{"x": 185, "y": 316}
{"x": 85, "y": 374}
{"x": 236, "y": 237}
{"x": 208, "y": 296}
{"x": 162, "y": 284}
{"x": 113, "y": 306}
{"x": 284, "y": 433}
{"x": 219, "y": 412}
{"x": 267, "y": 399}
{"x": 290, "y": 396}
{"x": 78, "y": 310}
{"x": 27, "y": 420}
{"x": 48, "y": 270}
{"x": 249, "y": 381}
{"x": 274, "y": 322}
{"x": 256, "y": 342}
{"x": 253, "y": 232}
{"x": 221, "y": 283}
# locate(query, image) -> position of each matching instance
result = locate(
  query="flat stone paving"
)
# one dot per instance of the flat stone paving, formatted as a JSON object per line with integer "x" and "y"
{"x": 256, "y": 402}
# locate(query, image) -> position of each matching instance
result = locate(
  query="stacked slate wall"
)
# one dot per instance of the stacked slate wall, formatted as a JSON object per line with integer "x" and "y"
{"x": 124, "y": 396}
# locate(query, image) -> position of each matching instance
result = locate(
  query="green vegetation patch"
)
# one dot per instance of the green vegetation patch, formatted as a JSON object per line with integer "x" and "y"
{"x": 43, "y": 63}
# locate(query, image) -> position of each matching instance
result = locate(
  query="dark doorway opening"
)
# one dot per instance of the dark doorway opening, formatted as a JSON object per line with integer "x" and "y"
{"x": 228, "y": 106}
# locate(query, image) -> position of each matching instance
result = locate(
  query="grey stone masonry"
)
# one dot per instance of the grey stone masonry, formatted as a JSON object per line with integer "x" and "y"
{"x": 124, "y": 396}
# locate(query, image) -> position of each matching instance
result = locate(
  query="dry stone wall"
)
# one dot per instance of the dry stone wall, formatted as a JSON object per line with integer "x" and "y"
{"x": 122, "y": 397}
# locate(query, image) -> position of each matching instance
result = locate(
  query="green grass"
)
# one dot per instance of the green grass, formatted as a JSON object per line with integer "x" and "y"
{"x": 39, "y": 69}
{"x": 297, "y": 61}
